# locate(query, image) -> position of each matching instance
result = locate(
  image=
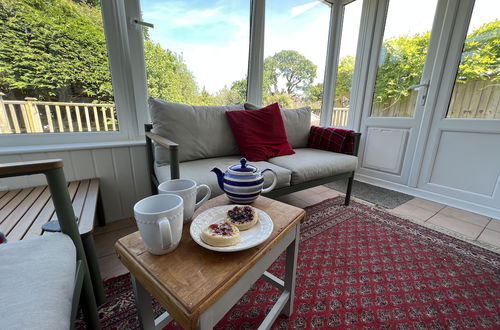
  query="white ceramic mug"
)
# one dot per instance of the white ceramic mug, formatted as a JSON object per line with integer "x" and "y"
{"x": 188, "y": 190}
{"x": 159, "y": 219}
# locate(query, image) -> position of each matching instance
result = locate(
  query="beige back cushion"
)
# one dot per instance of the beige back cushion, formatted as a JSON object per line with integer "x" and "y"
{"x": 297, "y": 124}
{"x": 200, "y": 131}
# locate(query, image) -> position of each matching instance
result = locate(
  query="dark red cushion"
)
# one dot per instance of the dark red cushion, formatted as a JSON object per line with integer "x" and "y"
{"x": 260, "y": 134}
{"x": 331, "y": 139}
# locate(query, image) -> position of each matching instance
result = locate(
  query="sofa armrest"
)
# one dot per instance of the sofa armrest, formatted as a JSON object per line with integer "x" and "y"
{"x": 357, "y": 137}
{"x": 170, "y": 145}
{"x": 173, "y": 149}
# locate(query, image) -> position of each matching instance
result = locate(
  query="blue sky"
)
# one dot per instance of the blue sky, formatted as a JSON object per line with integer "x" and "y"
{"x": 212, "y": 35}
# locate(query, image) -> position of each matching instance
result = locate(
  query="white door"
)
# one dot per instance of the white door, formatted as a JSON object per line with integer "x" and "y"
{"x": 461, "y": 158}
{"x": 401, "y": 61}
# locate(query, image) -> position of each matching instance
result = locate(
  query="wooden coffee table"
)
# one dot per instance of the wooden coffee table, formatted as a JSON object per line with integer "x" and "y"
{"x": 197, "y": 286}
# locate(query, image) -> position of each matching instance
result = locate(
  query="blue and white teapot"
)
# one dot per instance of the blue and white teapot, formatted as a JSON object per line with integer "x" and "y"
{"x": 243, "y": 182}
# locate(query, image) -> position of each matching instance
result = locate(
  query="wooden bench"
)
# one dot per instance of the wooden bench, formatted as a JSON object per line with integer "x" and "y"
{"x": 23, "y": 212}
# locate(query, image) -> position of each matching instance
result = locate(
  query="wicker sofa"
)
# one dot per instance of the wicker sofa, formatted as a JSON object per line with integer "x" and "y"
{"x": 188, "y": 141}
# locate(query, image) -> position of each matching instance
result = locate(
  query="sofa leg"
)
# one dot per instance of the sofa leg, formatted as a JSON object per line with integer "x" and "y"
{"x": 349, "y": 188}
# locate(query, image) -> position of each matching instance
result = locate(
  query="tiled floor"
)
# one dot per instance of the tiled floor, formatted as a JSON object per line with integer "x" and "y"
{"x": 470, "y": 225}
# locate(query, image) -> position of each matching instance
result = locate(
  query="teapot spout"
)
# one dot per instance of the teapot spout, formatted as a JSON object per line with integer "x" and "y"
{"x": 220, "y": 177}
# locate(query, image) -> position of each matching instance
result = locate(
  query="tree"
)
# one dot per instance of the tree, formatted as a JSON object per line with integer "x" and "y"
{"x": 53, "y": 50}
{"x": 168, "y": 76}
{"x": 297, "y": 71}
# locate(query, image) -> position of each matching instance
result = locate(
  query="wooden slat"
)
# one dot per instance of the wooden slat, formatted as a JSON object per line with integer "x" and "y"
{"x": 70, "y": 118}
{"x": 2, "y": 193}
{"x": 27, "y": 123}
{"x": 48, "y": 114}
{"x": 48, "y": 213}
{"x": 86, "y": 224}
{"x": 30, "y": 216}
{"x": 60, "y": 124}
{"x": 30, "y": 167}
{"x": 112, "y": 113}
{"x": 96, "y": 119}
{"x": 6, "y": 198}
{"x": 104, "y": 119}
{"x": 15, "y": 120}
{"x": 23, "y": 202}
{"x": 78, "y": 119}
{"x": 87, "y": 118}
{"x": 13, "y": 202}
{"x": 80, "y": 196}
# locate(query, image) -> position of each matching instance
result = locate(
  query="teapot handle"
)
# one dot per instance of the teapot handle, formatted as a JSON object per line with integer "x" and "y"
{"x": 275, "y": 180}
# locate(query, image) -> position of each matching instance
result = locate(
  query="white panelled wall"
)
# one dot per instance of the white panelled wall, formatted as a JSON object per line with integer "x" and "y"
{"x": 122, "y": 171}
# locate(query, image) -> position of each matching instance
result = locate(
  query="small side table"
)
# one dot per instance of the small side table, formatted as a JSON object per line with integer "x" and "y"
{"x": 197, "y": 286}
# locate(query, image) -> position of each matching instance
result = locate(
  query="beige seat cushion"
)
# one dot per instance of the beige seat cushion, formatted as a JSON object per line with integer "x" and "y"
{"x": 201, "y": 131}
{"x": 309, "y": 164}
{"x": 37, "y": 277}
{"x": 199, "y": 171}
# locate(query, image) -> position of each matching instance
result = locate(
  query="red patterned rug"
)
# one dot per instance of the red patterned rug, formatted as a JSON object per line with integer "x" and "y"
{"x": 362, "y": 268}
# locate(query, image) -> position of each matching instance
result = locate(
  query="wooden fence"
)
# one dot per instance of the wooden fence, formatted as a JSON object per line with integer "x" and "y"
{"x": 33, "y": 116}
{"x": 475, "y": 99}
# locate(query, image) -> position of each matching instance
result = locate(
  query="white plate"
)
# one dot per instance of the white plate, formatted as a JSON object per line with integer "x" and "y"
{"x": 248, "y": 238}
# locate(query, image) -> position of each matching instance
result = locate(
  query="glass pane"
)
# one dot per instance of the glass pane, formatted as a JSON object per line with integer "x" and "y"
{"x": 295, "y": 53}
{"x": 54, "y": 71}
{"x": 197, "y": 52}
{"x": 476, "y": 93}
{"x": 348, "y": 45}
{"x": 402, "y": 57}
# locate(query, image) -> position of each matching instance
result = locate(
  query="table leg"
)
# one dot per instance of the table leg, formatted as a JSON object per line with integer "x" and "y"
{"x": 291, "y": 270}
{"x": 144, "y": 305}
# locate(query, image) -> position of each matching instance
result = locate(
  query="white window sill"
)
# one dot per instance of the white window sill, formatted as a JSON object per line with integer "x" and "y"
{"x": 69, "y": 147}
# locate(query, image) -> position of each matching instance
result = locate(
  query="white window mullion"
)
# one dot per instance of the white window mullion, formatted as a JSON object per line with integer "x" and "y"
{"x": 332, "y": 62}
{"x": 255, "y": 80}
{"x": 115, "y": 29}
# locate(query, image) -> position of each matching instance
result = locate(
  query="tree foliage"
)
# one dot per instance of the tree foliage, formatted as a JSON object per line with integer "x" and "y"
{"x": 168, "y": 76}
{"x": 55, "y": 51}
{"x": 294, "y": 68}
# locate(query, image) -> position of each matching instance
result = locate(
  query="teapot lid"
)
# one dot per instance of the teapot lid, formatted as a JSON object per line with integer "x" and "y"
{"x": 243, "y": 167}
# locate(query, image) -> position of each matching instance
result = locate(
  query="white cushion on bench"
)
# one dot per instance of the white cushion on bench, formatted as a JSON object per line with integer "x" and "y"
{"x": 36, "y": 282}
{"x": 309, "y": 164}
{"x": 199, "y": 171}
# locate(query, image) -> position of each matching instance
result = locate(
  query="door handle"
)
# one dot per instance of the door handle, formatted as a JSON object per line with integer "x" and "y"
{"x": 423, "y": 94}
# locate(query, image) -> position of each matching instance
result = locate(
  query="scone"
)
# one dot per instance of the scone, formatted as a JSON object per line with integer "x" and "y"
{"x": 221, "y": 234}
{"x": 243, "y": 217}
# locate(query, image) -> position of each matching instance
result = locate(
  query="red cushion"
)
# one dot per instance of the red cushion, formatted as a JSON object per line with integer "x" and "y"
{"x": 260, "y": 134}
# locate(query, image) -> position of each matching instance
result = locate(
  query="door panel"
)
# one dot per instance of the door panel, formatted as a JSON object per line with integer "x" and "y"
{"x": 460, "y": 165}
{"x": 462, "y": 158}
{"x": 399, "y": 72}
{"x": 385, "y": 149}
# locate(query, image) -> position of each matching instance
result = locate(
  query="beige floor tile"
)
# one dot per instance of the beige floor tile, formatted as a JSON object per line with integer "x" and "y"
{"x": 494, "y": 224}
{"x": 463, "y": 227}
{"x": 490, "y": 236}
{"x": 322, "y": 189}
{"x": 105, "y": 242}
{"x": 111, "y": 266}
{"x": 286, "y": 199}
{"x": 426, "y": 204}
{"x": 470, "y": 217}
{"x": 298, "y": 203}
{"x": 330, "y": 193}
{"x": 114, "y": 225}
{"x": 312, "y": 199}
{"x": 303, "y": 194}
{"x": 414, "y": 212}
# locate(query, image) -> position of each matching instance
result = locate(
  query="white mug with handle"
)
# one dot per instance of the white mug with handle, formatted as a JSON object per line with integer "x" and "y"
{"x": 188, "y": 190}
{"x": 159, "y": 219}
